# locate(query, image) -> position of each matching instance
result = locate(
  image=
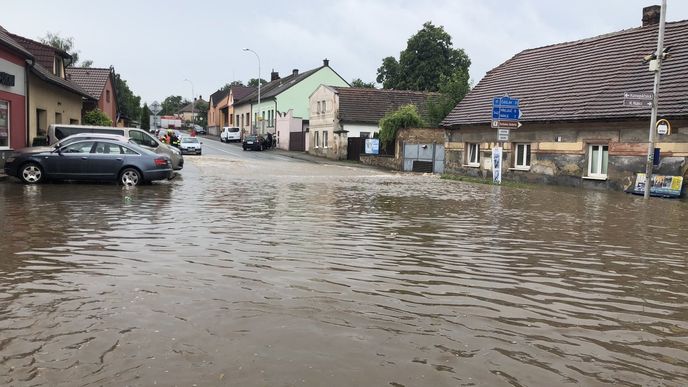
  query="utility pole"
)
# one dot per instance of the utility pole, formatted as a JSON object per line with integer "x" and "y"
{"x": 655, "y": 100}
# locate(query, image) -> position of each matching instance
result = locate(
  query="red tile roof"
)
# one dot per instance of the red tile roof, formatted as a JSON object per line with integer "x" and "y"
{"x": 44, "y": 54}
{"x": 7, "y": 40}
{"x": 370, "y": 105}
{"x": 584, "y": 80}
{"x": 93, "y": 80}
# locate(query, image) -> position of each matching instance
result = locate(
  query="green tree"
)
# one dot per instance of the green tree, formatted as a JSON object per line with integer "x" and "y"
{"x": 97, "y": 117}
{"x": 452, "y": 90}
{"x": 253, "y": 82}
{"x": 128, "y": 104}
{"x": 144, "y": 119}
{"x": 65, "y": 44}
{"x": 172, "y": 104}
{"x": 428, "y": 56}
{"x": 358, "y": 82}
{"x": 406, "y": 116}
{"x": 201, "y": 109}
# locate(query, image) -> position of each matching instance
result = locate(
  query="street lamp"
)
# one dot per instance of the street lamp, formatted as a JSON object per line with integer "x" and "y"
{"x": 258, "y": 114}
{"x": 193, "y": 118}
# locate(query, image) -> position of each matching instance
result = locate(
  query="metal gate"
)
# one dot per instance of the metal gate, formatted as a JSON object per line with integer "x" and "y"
{"x": 297, "y": 141}
{"x": 424, "y": 158}
{"x": 354, "y": 148}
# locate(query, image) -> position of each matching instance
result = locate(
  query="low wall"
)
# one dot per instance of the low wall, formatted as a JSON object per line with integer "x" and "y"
{"x": 387, "y": 162}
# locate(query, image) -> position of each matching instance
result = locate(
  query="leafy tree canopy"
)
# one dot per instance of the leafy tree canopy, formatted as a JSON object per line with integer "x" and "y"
{"x": 65, "y": 44}
{"x": 128, "y": 104}
{"x": 452, "y": 89}
{"x": 358, "y": 82}
{"x": 254, "y": 82}
{"x": 97, "y": 117}
{"x": 406, "y": 116}
{"x": 428, "y": 56}
{"x": 145, "y": 117}
{"x": 172, "y": 104}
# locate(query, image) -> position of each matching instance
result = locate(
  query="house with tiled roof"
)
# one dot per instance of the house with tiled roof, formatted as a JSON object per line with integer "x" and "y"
{"x": 190, "y": 110}
{"x": 52, "y": 99}
{"x": 575, "y": 127}
{"x": 340, "y": 115}
{"x": 99, "y": 83}
{"x": 13, "y": 59}
{"x": 282, "y": 95}
{"x": 221, "y": 107}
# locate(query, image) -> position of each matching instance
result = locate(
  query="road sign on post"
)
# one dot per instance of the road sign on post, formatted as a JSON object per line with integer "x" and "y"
{"x": 642, "y": 99}
{"x": 155, "y": 108}
{"x": 506, "y": 112}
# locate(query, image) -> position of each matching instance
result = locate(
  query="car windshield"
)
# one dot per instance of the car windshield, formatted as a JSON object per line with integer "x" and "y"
{"x": 233, "y": 130}
{"x": 190, "y": 139}
{"x": 251, "y": 138}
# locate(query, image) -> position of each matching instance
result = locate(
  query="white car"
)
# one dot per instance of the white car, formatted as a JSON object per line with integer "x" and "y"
{"x": 230, "y": 134}
{"x": 190, "y": 145}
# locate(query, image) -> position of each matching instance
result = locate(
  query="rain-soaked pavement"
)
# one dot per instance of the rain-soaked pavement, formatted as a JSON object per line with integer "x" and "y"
{"x": 258, "y": 269}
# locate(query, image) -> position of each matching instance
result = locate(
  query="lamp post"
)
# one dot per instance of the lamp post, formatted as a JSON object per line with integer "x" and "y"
{"x": 258, "y": 57}
{"x": 193, "y": 118}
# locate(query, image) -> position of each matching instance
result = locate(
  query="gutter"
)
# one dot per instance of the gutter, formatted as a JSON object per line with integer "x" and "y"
{"x": 27, "y": 99}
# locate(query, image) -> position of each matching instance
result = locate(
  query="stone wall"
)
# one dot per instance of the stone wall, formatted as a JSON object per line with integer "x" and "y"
{"x": 387, "y": 162}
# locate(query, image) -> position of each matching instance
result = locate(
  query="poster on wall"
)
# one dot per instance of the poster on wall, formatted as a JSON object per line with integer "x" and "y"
{"x": 497, "y": 165}
{"x": 372, "y": 146}
{"x": 4, "y": 120}
{"x": 662, "y": 185}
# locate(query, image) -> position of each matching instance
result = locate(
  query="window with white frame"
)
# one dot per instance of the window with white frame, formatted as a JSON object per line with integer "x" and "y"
{"x": 316, "y": 139}
{"x": 4, "y": 124}
{"x": 598, "y": 157}
{"x": 522, "y": 156}
{"x": 325, "y": 142}
{"x": 318, "y": 111}
{"x": 473, "y": 154}
{"x": 324, "y": 107}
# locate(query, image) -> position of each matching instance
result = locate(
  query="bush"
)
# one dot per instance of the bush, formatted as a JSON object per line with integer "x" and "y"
{"x": 406, "y": 117}
{"x": 97, "y": 117}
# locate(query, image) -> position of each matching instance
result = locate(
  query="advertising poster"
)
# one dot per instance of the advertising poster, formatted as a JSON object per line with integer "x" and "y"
{"x": 662, "y": 185}
{"x": 497, "y": 165}
{"x": 372, "y": 146}
{"x": 4, "y": 120}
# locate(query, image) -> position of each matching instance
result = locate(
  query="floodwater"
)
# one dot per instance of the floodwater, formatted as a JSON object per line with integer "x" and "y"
{"x": 288, "y": 273}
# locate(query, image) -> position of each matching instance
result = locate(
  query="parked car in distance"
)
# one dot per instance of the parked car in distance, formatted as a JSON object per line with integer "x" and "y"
{"x": 254, "y": 142}
{"x": 190, "y": 145}
{"x": 199, "y": 129}
{"x": 230, "y": 134}
{"x": 89, "y": 159}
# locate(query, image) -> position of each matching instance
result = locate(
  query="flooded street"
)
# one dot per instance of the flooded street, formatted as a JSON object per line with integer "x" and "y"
{"x": 256, "y": 269}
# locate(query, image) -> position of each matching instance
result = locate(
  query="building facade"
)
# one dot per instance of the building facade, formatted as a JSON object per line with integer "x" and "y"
{"x": 575, "y": 128}
{"x": 99, "y": 83}
{"x": 13, "y": 88}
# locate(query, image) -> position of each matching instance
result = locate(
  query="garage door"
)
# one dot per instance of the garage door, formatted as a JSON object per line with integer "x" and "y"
{"x": 424, "y": 158}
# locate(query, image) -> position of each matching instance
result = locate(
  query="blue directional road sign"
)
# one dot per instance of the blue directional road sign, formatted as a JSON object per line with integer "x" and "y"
{"x": 505, "y": 108}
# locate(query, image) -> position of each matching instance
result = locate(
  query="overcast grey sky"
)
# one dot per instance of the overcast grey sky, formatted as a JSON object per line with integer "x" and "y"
{"x": 155, "y": 45}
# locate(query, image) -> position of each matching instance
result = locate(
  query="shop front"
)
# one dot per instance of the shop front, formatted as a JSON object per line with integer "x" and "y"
{"x": 12, "y": 101}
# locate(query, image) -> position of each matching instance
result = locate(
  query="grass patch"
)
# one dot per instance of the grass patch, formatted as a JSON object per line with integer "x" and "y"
{"x": 478, "y": 180}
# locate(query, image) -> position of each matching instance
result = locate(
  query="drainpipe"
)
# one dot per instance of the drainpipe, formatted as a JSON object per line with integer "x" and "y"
{"x": 26, "y": 99}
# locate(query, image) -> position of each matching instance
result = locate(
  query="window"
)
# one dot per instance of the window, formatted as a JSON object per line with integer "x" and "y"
{"x": 325, "y": 142}
{"x": 107, "y": 96}
{"x": 72, "y": 121}
{"x": 324, "y": 107}
{"x": 318, "y": 111}
{"x": 473, "y": 156}
{"x": 108, "y": 148}
{"x": 598, "y": 157}
{"x": 522, "y": 156}
{"x": 4, "y": 124}
{"x": 79, "y": 147}
{"x": 58, "y": 118}
{"x": 316, "y": 139}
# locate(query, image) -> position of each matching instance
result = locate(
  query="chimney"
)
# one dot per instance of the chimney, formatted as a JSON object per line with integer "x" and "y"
{"x": 326, "y": 62}
{"x": 651, "y": 15}
{"x": 295, "y": 72}
{"x": 274, "y": 75}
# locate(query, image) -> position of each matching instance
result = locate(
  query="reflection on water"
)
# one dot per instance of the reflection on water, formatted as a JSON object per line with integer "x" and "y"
{"x": 339, "y": 278}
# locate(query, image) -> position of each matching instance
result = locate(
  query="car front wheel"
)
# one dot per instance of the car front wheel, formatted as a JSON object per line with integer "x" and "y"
{"x": 31, "y": 173}
{"x": 130, "y": 177}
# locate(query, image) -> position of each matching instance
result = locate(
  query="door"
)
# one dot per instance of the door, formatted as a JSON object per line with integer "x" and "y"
{"x": 105, "y": 161}
{"x": 73, "y": 159}
{"x": 423, "y": 158}
{"x": 354, "y": 148}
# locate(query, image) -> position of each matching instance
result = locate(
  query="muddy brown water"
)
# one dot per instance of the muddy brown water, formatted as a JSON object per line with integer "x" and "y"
{"x": 286, "y": 274}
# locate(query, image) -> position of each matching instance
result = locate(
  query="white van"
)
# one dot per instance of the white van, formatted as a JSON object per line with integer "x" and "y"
{"x": 57, "y": 132}
{"x": 230, "y": 134}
